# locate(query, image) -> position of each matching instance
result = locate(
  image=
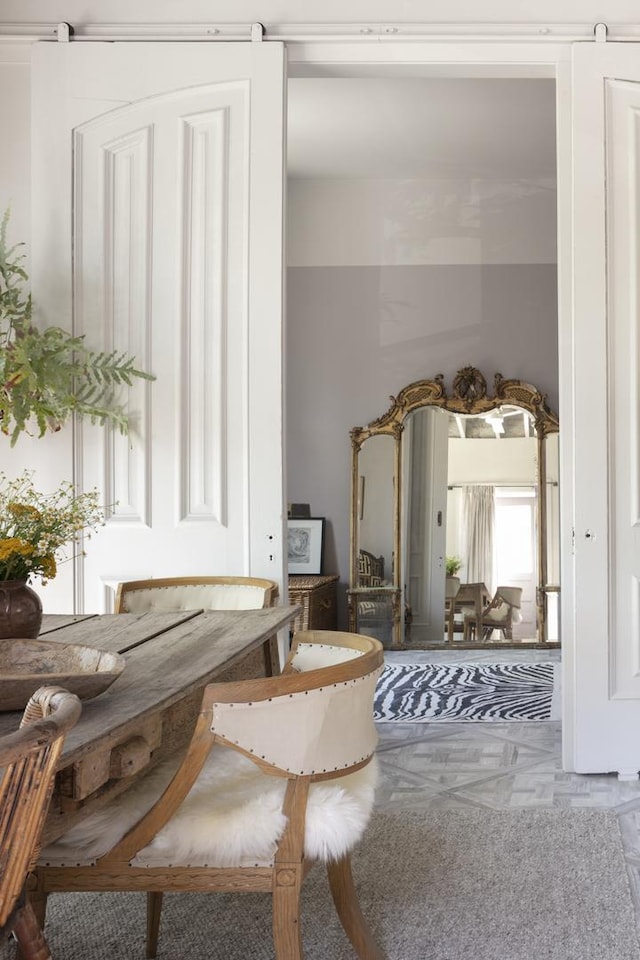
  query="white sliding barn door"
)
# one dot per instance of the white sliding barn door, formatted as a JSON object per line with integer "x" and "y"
{"x": 602, "y": 672}
{"x": 171, "y": 157}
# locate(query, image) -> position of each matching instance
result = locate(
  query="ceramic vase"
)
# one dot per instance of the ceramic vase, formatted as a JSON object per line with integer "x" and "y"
{"x": 20, "y": 610}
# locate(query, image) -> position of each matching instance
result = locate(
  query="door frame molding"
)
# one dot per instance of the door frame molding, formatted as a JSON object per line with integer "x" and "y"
{"x": 470, "y": 58}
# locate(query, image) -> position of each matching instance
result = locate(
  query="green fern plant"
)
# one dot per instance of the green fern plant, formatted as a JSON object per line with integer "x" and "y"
{"x": 48, "y": 375}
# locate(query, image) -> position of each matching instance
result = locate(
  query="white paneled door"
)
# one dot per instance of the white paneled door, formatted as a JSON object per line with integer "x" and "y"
{"x": 602, "y": 717}
{"x": 161, "y": 167}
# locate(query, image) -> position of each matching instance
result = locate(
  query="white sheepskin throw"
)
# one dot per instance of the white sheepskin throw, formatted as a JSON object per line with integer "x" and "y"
{"x": 231, "y": 817}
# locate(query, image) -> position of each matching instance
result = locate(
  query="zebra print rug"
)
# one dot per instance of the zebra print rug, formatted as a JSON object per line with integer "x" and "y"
{"x": 416, "y": 693}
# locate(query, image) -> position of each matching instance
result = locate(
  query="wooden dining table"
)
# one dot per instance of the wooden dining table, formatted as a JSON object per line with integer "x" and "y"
{"x": 149, "y": 712}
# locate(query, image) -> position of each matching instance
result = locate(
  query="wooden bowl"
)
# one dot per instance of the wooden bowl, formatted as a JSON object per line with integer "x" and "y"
{"x": 26, "y": 665}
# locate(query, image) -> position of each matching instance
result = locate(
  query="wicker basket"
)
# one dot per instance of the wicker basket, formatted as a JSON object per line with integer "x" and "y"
{"x": 317, "y": 597}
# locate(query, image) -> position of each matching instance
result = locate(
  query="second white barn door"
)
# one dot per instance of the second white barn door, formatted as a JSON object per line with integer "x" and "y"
{"x": 172, "y": 157}
{"x": 602, "y": 670}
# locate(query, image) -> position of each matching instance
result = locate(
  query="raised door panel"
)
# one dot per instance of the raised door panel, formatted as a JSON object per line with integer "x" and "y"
{"x": 154, "y": 260}
{"x": 622, "y": 109}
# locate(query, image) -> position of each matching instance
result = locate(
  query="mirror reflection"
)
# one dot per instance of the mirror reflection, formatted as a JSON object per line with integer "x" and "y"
{"x": 455, "y": 517}
{"x": 477, "y": 478}
{"x": 373, "y": 598}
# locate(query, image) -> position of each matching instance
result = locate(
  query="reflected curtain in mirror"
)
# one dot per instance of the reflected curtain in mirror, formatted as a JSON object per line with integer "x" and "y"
{"x": 478, "y": 520}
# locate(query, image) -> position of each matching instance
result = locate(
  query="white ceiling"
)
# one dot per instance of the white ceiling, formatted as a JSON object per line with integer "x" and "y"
{"x": 422, "y": 129}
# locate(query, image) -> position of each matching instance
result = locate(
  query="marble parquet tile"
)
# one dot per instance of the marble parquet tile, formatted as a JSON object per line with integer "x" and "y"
{"x": 458, "y": 760}
{"x": 395, "y": 735}
{"x": 532, "y": 788}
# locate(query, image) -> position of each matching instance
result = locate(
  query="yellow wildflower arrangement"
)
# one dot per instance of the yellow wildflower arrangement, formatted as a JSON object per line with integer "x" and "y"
{"x": 34, "y": 527}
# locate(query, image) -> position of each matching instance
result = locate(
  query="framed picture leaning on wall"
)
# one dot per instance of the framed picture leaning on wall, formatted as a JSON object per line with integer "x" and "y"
{"x": 305, "y": 545}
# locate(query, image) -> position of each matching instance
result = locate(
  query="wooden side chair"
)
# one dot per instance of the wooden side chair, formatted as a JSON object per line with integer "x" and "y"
{"x": 470, "y": 600}
{"x": 278, "y": 775}
{"x": 206, "y": 593}
{"x": 28, "y": 761}
{"x": 500, "y": 614}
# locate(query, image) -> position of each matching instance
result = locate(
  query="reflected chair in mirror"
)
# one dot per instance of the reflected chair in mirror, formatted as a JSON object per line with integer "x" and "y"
{"x": 451, "y": 589}
{"x": 278, "y": 775}
{"x": 470, "y": 601}
{"x": 171, "y": 594}
{"x": 28, "y": 760}
{"x": 500, "y": 614}
{"x": 370, "y": 570}
{"x": 374, "y": 603}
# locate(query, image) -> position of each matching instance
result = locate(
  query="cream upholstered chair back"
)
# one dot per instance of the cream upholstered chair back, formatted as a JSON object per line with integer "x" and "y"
{"x": 505, "y": 606}
{"x": 196, "y": 593}
{"x": 511, "y": 595}
{"x": 28, "y": 760}
{"x": 324, "y": 701}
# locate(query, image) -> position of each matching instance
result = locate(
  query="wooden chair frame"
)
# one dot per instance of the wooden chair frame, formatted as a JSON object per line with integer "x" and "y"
{"x": 28, "y": 760}
{"x": 284, "y": 879}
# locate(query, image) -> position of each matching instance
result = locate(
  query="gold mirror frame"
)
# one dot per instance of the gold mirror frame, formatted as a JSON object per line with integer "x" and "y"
{"x": 468, "y": 396}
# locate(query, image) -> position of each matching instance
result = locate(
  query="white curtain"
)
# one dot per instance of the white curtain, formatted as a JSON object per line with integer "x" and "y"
{"x": 478, "y": 519}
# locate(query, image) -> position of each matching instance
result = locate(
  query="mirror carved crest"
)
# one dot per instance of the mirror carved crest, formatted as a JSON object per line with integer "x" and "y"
{"x": 468, "y": 396}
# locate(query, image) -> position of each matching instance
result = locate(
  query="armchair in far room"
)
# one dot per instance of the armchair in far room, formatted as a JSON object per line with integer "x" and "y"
{"x": 501, "y": 614}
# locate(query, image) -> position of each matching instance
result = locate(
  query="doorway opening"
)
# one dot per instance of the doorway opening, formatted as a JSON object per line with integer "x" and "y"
{"x": 421, "y": 237}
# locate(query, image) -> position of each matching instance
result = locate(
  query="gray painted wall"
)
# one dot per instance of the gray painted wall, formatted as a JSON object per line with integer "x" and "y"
{"x": 357, "y": 335}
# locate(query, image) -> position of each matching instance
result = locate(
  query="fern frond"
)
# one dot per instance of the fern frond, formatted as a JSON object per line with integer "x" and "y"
{"x": 48, "y": 375}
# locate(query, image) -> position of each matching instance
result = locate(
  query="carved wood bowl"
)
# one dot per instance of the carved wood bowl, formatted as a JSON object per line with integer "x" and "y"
{"x": 26, "y": 665}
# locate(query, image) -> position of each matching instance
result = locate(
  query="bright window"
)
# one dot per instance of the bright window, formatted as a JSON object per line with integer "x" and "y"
{"x": 514, "y": 536}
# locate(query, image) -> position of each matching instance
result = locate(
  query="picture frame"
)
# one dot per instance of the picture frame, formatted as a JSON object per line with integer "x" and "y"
{"x": 298, "y": 510}
{"x": 305, "y": 545}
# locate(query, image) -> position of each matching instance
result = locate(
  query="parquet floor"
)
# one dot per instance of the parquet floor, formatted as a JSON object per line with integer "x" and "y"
{"x": 497, "y": 765}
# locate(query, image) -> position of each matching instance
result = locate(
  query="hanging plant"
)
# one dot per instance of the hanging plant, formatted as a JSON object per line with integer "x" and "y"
{"x": 48, "y": 375}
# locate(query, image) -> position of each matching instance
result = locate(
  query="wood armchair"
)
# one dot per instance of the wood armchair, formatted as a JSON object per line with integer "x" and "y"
{"x": 28, "y": 761}
{"x": 500, "y": 614}
{"x": 300, "y": 745}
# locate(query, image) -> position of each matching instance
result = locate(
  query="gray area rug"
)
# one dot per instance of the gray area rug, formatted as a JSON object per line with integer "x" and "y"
{"x": 446, "y": 885}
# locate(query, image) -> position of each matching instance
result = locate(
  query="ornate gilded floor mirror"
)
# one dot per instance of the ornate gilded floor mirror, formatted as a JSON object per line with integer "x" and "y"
{"x": 455, "y": 517}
